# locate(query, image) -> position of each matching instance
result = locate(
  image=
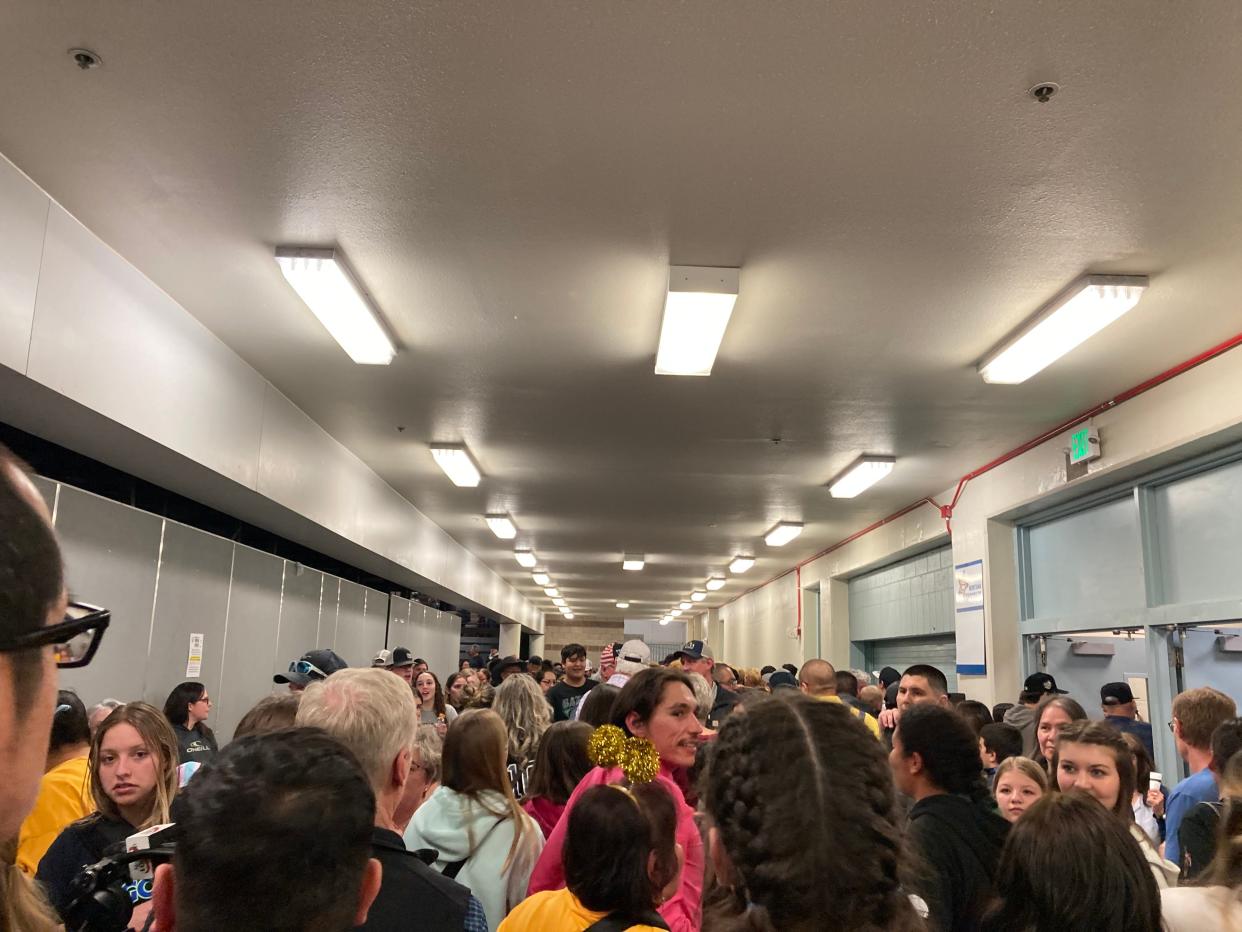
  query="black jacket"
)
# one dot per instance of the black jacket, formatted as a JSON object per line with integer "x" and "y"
{"x": 957, "y": 844}
{"x": 80, "y": 845}
{"x": 412, "y": 895}
{"x": 721, "y": 707}
{"x": 196, "y": 744}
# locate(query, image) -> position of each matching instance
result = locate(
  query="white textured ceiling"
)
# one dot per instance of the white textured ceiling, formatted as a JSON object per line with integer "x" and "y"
{"x": 511, "y": 181}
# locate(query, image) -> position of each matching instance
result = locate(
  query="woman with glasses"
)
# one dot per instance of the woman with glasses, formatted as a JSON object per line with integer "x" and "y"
{"x": 187, "y": 708}
{"x": 133, "y": 770}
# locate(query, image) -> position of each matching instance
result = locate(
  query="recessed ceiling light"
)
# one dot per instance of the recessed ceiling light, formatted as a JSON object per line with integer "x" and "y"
{"x": 633, "y": 562}
{"x": 741, "y": 564}
{"x": 783, "y": 533}
{"x": 623, "y": 605}
{"x": 457, "y": 464}
{"x": 861, "y": 475}
{"x": 561, "y": 602}
{"x": 328, "y": 288}
{"x": 716, "y": 582}
{"x": 541, "y": 579}
{"x": 552, "y": 592}
{"x": 1076, "y": 314}
{"x": 525, "y": 558}
{"x": 684, "y": 606}
{"x": 666, "y": 619}
{"x": 698, "y": 595}
{"x": 675, "y": 612}
{"x": 502, "y": 526}
{"x": 696, "y": 312}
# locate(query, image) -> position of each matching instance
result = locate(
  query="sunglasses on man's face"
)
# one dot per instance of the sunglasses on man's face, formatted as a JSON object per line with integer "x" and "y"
{"x": 74, "y": 641}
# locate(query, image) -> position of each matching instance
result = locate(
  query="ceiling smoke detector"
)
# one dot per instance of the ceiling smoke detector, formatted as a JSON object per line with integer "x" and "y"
{"x": 85, "y": 59}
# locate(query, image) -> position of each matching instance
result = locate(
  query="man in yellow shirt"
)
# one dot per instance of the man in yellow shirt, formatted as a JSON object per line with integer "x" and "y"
{"x": 818, "y": 680}
{"x": 65, "y": 790}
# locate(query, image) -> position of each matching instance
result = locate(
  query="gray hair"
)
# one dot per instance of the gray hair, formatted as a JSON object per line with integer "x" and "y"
{"x": 702, "y": 696}
{"x": 429, "y": 746}
{"x": 367, "y": 709}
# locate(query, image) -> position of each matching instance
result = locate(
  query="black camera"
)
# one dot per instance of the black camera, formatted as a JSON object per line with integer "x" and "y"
{"x": 100, "y": 895}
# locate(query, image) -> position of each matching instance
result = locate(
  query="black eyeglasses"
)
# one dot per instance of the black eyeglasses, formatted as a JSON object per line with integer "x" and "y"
{"x": 73, "y": 641}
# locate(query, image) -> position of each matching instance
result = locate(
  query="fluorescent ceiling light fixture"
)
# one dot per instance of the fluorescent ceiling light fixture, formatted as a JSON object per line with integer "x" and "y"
{"x": 633, "y": 562}
{"x": 325, "y": 284}
{"x": 716, "y": 582}
{"x": 541, "y": 579}
{"x": 696, "y": 312}
{"x": 569, "y": 616}
{"x": 684, "y": 606}
{"x": 525, "y": 558}
{"x": 666, "y": 619}
{"x": 502, "y": 526}
{"x": 552, "y": 592}
{"x": 783, "y": 533}
{"x": 741, "y": 564}
{"x": 623, "y": 605}
{"x": 457, "y": 464}
{"x": 1075, "y": 315}
{"x": 861, "y": 475}
{"x": 559, "y": 602}
{"x": 698, "y": 595}
{"x": 675, "y": 612}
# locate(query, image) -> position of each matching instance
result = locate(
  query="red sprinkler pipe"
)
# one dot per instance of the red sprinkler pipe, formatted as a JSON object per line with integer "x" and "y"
{"x": 946, "y": 511}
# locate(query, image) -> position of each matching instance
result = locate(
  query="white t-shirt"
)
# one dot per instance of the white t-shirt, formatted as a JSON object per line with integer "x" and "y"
{"x": 1194, "y": 909}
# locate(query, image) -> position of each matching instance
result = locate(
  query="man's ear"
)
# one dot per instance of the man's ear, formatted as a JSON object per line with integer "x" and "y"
{"x": 164, "y": 898}
{"x": 944, "y": 701}
{"x": 914, "y": 762}
{"x": 401, "y": 765}
{"x": 372, "y": 877}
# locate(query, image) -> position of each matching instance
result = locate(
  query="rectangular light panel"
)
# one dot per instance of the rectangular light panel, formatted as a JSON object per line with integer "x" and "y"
{"x": 525, "y": 558}
{"x": 1079, "y": 312}
{"x": 685, "y": 606}
{"x": 741, "y": 564}
{"x": 696, "y": 312}
{"x": 782, "y": 534}
{"x": 326, "y": 286}
{"x": 698, "y": 595}
{"x": 716, "y": 582}
{"x": 541, "y": 579}
{"x": 862, "y": 474}
{"x": 559, "y": 602}
{"x": 623, "y": 605}
{"x": 675, "y": 612}
{"x": 552, "y": 592}
{"x": 457, "y": 464}
{"x": 633, "y": 562}
{"x": 502, "y": 526}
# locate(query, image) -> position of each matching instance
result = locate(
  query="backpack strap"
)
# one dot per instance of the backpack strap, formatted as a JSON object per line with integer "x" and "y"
{"x": 453, "y": 868}
{"x": 619, "y": 922}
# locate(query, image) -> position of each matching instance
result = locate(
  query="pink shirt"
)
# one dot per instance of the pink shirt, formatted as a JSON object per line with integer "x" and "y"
{"x": 684, "y": 912}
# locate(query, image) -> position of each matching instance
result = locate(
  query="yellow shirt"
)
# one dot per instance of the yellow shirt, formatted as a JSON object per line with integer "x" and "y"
{"x": 64, "y": 797}
{"x": 869, "y": 720}
{"x": 555, "y": 911}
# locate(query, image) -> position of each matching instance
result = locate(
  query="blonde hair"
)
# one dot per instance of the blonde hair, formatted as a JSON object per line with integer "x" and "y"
{"x": 1199, "y": 711}
{"x": 473, "y": 763}
{"x": 524, "y": 709}
{"x": 157, "y": 734}
{"x": 752, "y": 677}
{"x": 1025, "y": 766}
{"x": 370, "y": 711}
{"x": 23, "y": 907}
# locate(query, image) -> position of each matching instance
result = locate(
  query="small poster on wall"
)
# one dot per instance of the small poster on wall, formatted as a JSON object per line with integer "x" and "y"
{"x": 194, "y": 662}
{"x": 968, "y": 607}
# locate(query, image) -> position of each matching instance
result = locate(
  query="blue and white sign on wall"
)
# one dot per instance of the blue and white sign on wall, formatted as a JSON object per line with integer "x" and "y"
{"x": 968, "y": 606}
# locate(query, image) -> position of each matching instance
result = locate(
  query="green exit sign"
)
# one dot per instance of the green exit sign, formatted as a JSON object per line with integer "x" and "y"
{"x": 1084, "y": 445}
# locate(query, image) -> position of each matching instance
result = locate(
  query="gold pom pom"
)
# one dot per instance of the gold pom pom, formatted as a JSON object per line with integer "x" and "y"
{"x": 605, "y": 746}
{"x": 640, "y": 760}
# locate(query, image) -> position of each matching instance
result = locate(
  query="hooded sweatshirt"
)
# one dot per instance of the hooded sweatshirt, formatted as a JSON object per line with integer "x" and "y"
{"x": 957, "y": 843}
{"x": 683, "y": 911}
{"x": 458, "y": 827}
{"x": 1022, "y": 718}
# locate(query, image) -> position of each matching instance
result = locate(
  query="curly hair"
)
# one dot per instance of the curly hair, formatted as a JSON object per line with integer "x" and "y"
{"x": 520, "y": 703}
{"x": 777, "y": 769}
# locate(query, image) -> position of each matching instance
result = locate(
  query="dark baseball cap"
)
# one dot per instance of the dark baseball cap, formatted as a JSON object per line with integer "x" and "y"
{"x": 695, "y": 650}
{"x": 1043, "y": 683}
{"x": 782, "y": 679}
{"x": 888, "y": 676}
{"x": 403, "y": 657}
{"x": 312, "y": 665}
{"x": 1116, "y": 694}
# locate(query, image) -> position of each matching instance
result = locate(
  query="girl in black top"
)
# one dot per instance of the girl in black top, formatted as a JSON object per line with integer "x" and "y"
{"x": 133, "y": 767}
{"x": 187, "y": 708}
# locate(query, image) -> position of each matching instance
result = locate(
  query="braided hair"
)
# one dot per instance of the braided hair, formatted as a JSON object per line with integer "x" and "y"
{"x": 786, "y": 765}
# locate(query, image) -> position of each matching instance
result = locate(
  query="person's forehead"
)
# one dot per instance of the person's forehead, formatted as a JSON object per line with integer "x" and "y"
{"x": 911, "y": 681}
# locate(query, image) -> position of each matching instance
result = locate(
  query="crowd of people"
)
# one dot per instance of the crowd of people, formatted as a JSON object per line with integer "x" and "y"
{"x": 530, "y": 795}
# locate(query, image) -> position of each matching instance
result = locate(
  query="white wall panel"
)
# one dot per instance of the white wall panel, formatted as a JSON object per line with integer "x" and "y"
{"x": 299, "y": 613}
{"x": 106, "y": 337}
{"x": 23, "y": 216}
{"x": 250, "y": 658}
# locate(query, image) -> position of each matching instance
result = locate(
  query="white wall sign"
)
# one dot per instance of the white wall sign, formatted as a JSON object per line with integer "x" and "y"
{"x": 194, "y": 662}
{"x": 968, "y": 606}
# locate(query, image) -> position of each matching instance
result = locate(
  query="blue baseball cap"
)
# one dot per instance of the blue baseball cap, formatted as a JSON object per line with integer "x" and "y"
{"x": 695, "y": 650}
